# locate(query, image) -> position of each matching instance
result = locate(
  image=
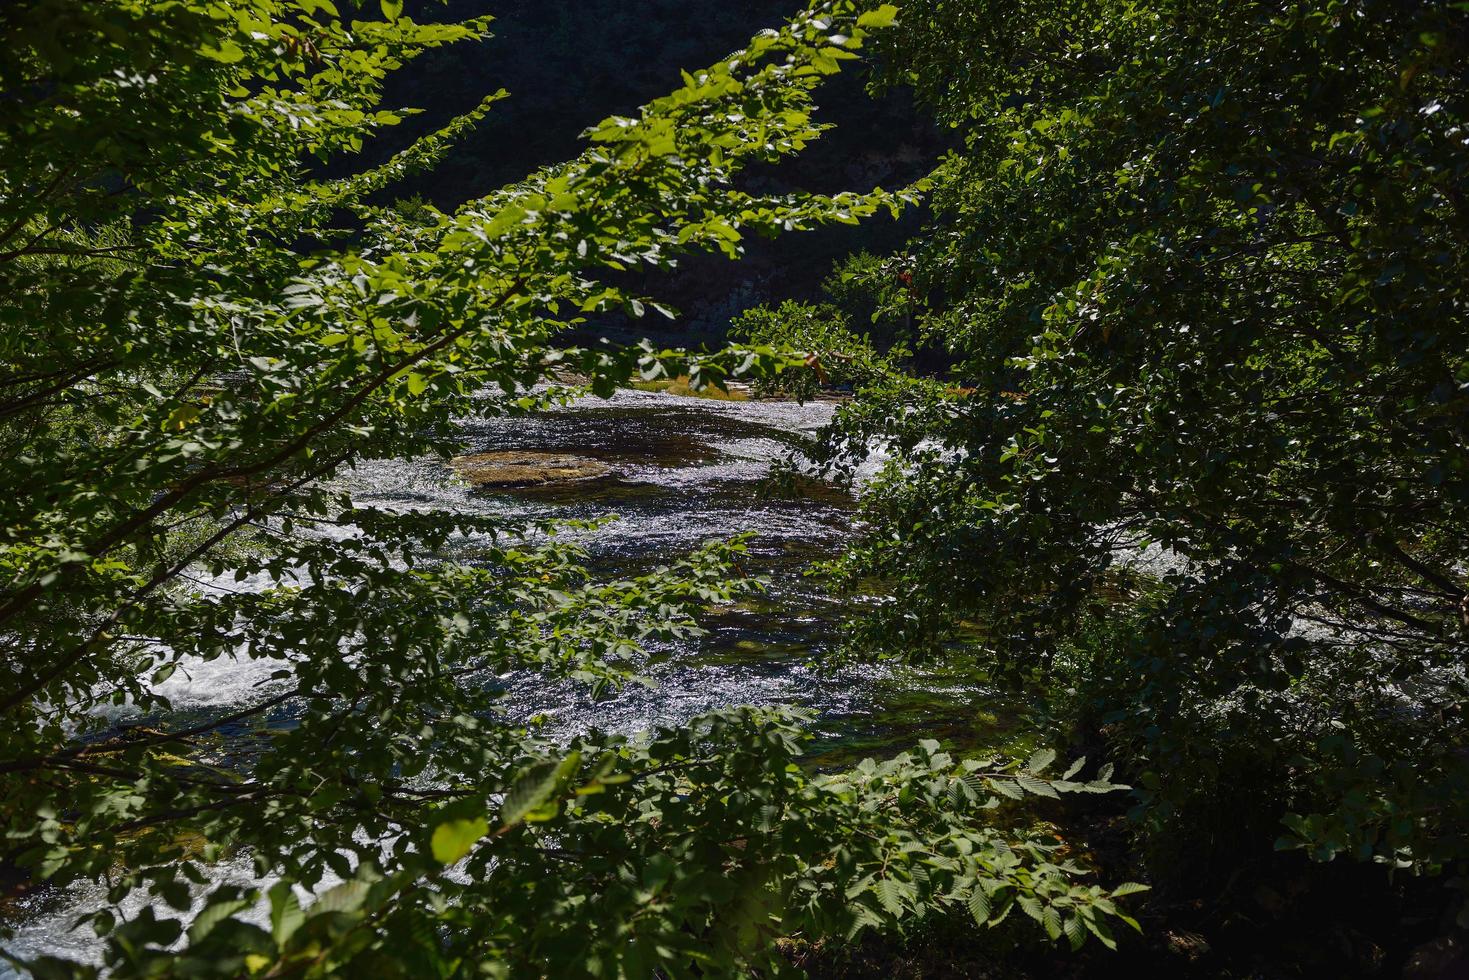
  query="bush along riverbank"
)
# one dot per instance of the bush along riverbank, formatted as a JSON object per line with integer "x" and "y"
{"x": 1194, "y": 472}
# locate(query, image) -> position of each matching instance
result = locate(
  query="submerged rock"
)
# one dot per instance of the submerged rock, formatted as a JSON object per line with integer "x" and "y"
{"x": 523, "y": 468}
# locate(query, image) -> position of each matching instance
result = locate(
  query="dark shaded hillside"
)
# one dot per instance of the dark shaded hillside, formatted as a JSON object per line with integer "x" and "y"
{"x": 569, "y": 63}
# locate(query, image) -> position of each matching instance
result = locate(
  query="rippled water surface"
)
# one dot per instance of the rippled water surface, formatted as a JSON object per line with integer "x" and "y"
{"x": 683, "y": 471}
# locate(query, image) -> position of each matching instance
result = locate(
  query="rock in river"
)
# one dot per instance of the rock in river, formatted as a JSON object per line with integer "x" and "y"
{"x": 524, "y": 468}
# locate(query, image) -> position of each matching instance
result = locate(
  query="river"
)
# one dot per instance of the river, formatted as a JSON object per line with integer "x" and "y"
{"x": 683, "y": 471}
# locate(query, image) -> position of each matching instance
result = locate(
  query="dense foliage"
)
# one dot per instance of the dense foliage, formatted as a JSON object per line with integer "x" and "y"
{"x": 836, "y": 354}
{"x": 1193, "y": 475}
{"x": 201, "y": 333}
{"x": 1200, "y": 472}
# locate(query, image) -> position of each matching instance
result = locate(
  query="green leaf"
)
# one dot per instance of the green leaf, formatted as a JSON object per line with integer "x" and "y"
{"x": 890, "y": 895}
{"x": 213, "y": 914}
{"x": 1005, "y": 787}
{"x": 1040, "y": 760}
{"x": 1036, "y": 787}
{"x": 531, "y": 790}
{"x": 1075, "y": 931}
{"x": 979, "y": 905}
{"x": 884, "y": 16}
{"x": 181, "y": 418}
{"x": 392, "y": 9}
{"x": 350, "y": 895}
{"x": 1051, "y": 921}
{"x": 456, "y": 838}
{"x": 286, "y": 915}
{"x": 226, "y": 52}
{"x": 1101, "y": 931}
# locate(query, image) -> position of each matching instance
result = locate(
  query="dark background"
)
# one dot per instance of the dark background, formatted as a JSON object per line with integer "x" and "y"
{"x": 569, "y": 63}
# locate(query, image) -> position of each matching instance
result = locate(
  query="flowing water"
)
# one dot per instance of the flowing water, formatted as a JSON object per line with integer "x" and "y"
{"x": 683, "y": 471}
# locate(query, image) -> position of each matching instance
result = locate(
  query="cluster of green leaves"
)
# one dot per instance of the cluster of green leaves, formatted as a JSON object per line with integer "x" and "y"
{"x": 199, "y": 331}
{"x": 1200, "y": 270}
{"x": 822, "y": 337}
{"x": 863, "y": 286}
{"x": 694, "y": 848}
